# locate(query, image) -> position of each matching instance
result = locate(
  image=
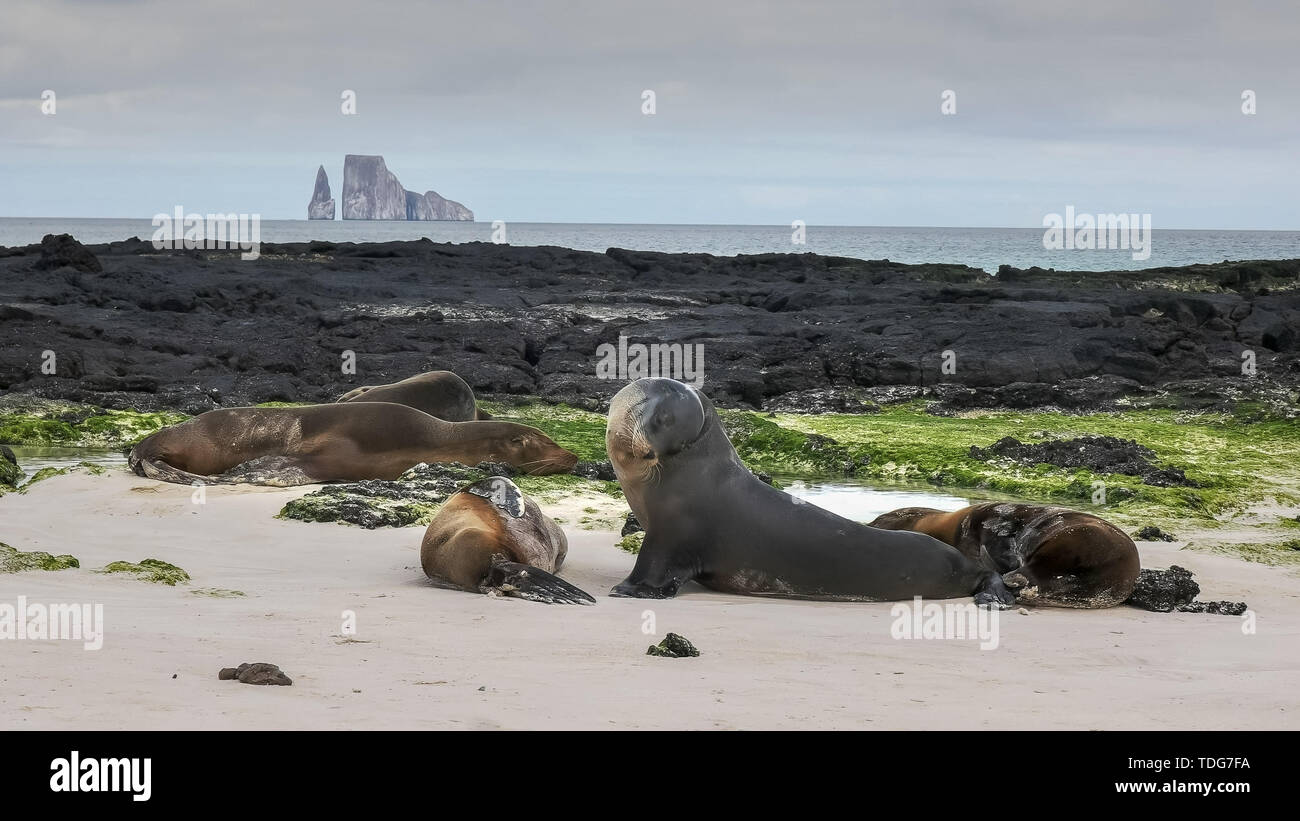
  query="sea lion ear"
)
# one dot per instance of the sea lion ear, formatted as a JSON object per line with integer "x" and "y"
{"x": 699, "y": 403}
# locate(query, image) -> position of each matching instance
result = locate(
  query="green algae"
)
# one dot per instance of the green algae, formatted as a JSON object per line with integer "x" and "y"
{"x": 37, "y": 422}
{"x": 1274, "y": 554}
{"x": 1235, "y": 464}
{"x": 218, "y": 593}
{"x": 560, "y": 485}
{"x": 579, "y": 431}
{"x": 632, "y": 542}
{"x": 155, "y": 571}
{"x": 48, "y": 473}
{"x": 12, "y": 560}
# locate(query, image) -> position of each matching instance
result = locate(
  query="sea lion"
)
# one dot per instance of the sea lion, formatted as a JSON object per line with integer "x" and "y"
{"x": 438, "y": 393}
{"x": 492, "y": 538}
{"x": 709, "y": 519}
{"x": 334, "y": 443}
{"x": 1047, "y": 555}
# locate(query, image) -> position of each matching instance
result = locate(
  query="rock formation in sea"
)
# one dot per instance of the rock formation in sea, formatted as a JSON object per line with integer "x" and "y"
{"x": 372, "y": 192}
{"x": 321, "y": 206}
{"x": 432, "y": 206}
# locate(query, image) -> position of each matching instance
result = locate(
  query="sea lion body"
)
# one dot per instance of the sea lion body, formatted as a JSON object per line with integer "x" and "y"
{"x": 1048, "y": 555}
{"x": 336, "y": 442}
{"x": 438, "y": 393}
{"x": 708, "y": 518}
{"x": 490, "y": 537}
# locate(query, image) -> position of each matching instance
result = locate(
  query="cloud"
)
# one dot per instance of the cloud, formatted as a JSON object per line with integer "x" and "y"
{"x": 480, "y": 99}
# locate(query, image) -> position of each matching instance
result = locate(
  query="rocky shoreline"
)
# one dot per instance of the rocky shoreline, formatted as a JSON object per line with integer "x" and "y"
{"x": 135, "y": 328}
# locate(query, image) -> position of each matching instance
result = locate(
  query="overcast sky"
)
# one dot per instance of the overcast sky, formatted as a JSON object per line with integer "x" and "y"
{"x": 766, "y": 111}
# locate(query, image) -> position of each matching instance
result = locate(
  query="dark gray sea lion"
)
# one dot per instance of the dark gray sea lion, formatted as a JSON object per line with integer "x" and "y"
{"x": 708, "y": 519}
{"x": 438, "y": 393}
{"x": 492, "y": 538}
{"x": 334, "y": 443}
{"x": 1047, "y": 555}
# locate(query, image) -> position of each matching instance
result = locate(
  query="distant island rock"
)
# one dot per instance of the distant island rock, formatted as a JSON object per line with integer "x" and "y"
{"x": 432, "y": 206}
{"x": 321, "y": 206}
{"x": 372, "y": 192}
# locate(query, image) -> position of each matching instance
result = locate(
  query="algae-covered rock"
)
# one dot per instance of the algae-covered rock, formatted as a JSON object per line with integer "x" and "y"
{"x": 31, "y": 420}
{"x": 411, "y": 499}
{"x": 673, "y": 647}
{"x": 12, "y": 560}
{"x": 47, "y": 473}
{"x": 631, "y": 525}
{"x": 10, "y": 473}
{"x": 150, "y": 570}
{"x": 1099, "y": 454}
{"x": 763, "y": 444}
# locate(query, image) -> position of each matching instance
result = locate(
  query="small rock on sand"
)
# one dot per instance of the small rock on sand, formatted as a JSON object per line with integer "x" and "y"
{"x": 673, "y": 647}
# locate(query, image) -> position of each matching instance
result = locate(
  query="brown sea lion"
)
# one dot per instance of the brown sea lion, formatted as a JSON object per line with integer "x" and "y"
{"x": 334, "y": 443}
{"x": 1047, "y": 555}
{"x": 492, "y": 538}
{"x": 438, "y": 393}
{"x": 707, "y": 518}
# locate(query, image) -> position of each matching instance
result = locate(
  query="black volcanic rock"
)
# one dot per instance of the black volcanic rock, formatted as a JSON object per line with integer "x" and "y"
{"x": 62, "y": 250}
{"x": 370, "y": 190}
{"x": 1164, "y": 590}
{"x": 321, "y": 206}
{"x": 520, "y": 321}
{"x": 1100, "y": 454}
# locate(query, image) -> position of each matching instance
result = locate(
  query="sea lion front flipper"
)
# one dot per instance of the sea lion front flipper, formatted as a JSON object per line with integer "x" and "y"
{"x": 354, "y": 393}
{"x": 652, "y": 577}
{"x": 524, "y": 581}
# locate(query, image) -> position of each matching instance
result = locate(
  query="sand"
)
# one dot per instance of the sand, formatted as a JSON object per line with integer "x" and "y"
{"x": 431, "y": 658}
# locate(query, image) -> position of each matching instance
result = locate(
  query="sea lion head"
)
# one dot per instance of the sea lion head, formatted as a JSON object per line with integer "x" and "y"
{"x": 504, "y": 495}
{"x": 905, "y": 518}
{"x": 528, "y": 449}
{"x": 651, "y": 420}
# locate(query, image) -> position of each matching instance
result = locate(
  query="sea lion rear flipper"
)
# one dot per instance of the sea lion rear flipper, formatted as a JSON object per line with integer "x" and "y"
{"x": 163, "y": 472}
{"x": 524, "y": 581}
{"x": 993, "y": 591}
{"x": 274, "y": 471}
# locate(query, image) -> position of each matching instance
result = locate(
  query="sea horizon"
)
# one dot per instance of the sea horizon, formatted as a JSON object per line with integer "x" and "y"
{"x": 981, "y": 247}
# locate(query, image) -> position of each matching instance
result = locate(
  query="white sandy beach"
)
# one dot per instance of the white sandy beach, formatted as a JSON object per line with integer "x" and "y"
{"x": 430, "y": 658}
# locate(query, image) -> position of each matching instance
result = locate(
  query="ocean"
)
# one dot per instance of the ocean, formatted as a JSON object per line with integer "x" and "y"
{"x": 985, "y": 248}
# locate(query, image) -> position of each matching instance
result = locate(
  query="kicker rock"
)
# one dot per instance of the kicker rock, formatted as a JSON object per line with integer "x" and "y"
{"x": 370, "y": 190}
